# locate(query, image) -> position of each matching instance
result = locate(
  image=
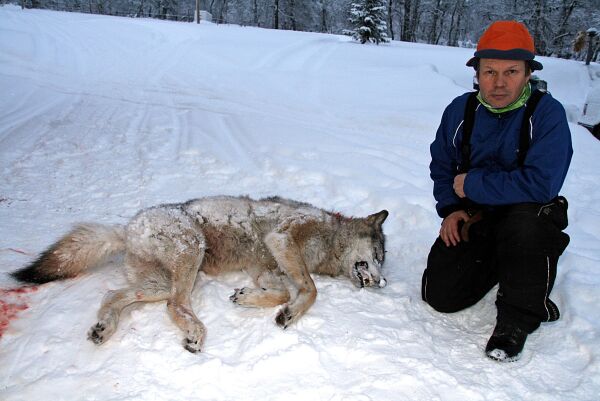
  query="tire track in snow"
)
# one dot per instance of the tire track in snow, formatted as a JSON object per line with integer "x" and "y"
{"x": 133, "y": 140}
{"x": 20, "y": 129}
{"x": 235, "y": 135}
{"x": 307, "y": 57}
{"x": 216, "y": 134}
{"x": 302, "y": 55}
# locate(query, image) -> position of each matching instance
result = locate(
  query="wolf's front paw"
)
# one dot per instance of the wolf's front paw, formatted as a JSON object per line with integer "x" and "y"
{"x": 284, "y": 317}
{"x": 193, "y": 343}
{"x": 97, "y": 333}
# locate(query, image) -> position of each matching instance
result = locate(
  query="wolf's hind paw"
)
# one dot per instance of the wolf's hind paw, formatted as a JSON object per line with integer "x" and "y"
{"x": 96, "y": 333}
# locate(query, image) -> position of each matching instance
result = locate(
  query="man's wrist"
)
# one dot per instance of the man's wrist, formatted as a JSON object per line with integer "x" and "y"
{"x": 447, "y": 210}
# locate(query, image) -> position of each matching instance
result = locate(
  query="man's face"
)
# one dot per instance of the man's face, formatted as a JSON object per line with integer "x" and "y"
{"x": 501, "y": 81}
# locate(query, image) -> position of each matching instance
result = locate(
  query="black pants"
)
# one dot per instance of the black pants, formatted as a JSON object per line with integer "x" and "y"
{"x": 516, "y": 246}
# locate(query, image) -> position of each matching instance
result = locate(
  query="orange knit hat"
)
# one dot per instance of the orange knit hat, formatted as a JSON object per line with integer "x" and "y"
{"x": 506, "y": 40}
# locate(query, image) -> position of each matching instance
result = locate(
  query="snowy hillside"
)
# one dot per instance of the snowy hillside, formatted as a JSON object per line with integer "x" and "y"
{"x": 101, "y": 116}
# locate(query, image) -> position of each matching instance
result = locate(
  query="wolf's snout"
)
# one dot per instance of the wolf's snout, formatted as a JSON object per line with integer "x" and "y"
{"x": 365, "y": 278}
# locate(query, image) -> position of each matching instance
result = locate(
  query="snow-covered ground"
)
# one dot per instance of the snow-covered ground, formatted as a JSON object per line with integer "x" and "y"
{"x": 101, "y": 116}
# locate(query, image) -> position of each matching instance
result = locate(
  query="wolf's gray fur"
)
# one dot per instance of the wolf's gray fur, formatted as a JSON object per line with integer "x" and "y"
{"x": 278, "y": 242}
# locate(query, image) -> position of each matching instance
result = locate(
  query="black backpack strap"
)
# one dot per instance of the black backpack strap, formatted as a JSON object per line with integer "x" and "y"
{"x": 467, "y": 128}
{"x": 525, "y": 135}
{"x": 469, "y": 121}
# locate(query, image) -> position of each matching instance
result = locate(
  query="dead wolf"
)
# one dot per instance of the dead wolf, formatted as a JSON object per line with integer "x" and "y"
{"x": 278, "y": 242}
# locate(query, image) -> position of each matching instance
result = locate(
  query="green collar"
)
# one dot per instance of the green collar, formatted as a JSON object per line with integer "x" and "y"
{"x": 521, "y": 100}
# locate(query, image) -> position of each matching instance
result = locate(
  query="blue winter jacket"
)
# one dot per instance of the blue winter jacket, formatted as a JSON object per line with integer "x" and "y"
{"x": 495, "y": 177}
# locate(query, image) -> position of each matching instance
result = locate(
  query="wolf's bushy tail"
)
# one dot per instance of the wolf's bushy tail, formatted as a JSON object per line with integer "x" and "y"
{"x": 85, "y": 246}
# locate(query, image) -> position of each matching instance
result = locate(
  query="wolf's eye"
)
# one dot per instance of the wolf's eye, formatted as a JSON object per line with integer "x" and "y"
{"x": 377, "y": 254}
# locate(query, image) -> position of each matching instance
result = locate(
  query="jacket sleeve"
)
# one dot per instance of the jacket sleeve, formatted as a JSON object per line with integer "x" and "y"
{"x": 444, "y": 164}
{"x": 545, "y": 167}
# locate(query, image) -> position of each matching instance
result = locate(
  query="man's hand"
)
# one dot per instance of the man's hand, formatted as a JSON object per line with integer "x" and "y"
{"x": 459, "y": 185}
{"x": 449, "y": 233}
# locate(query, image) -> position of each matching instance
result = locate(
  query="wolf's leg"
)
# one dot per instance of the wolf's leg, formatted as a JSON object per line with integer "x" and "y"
{"x": 180, "y": 307}
{"x": 270, "y": 291}
{"x": 113, "y": 304}
{"x": 185, "y": 266}
{"x": 287, "y": 254}
{"x": 152, "y": 284}
{"x": 176, "y": 240}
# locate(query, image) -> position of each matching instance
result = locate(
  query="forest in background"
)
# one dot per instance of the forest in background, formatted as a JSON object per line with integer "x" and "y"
{"x": 555, "y": 24}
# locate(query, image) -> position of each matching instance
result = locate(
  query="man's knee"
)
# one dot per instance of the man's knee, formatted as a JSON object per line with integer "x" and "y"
{"x": 438, "y": 286}
{"x": 456, "y": 277}
{"x": 438, "y": 294}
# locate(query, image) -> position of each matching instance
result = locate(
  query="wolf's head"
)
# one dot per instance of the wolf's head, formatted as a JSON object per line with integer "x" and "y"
{"x": 362, "y": 250}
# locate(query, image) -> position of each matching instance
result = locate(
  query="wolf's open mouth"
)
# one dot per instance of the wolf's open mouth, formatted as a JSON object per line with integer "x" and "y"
{"x": 364, "y": 278}
{"x": 359, "y": 269}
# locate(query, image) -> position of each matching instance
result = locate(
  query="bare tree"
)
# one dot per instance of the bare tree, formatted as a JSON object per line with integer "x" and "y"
{"x": 566, "y": 11}
{"x": 390, "y": 21}
{"x": 291, "y": 14}
{"x": 414, "y": 19}
{"x": 255, "y": 13}
{"x": 406, "y": 32}
{"x": 276, "y": 14}
{"x": 324, "y": 16}
{"x": 455, "y": 22}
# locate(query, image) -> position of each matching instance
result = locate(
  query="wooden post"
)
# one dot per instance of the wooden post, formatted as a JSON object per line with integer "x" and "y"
{"x": 197, "y": 11}
{"x": 276, "y": 15}
{"x": 591, "y": 41}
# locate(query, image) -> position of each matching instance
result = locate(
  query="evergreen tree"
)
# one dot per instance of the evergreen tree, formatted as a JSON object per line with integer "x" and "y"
{"x": 368, "y": 18}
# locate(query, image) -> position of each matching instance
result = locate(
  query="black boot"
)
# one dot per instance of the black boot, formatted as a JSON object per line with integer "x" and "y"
{"x": 506, "y": 343}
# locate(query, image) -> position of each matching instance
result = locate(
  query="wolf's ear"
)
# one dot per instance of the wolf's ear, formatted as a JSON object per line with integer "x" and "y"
{"x": 377, "y": 219}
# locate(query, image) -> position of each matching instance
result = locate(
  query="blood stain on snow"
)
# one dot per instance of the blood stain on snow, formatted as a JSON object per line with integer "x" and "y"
{"x": 12, "y": 302}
